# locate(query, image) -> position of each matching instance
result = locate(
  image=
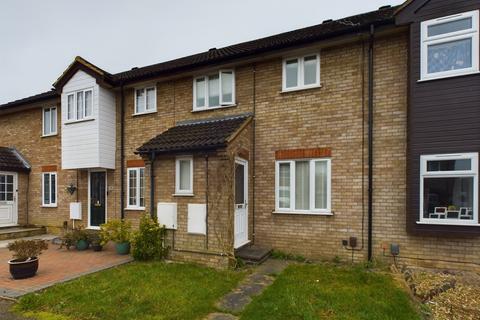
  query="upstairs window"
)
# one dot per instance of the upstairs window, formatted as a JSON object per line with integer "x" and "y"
{"x": 80, "y": 105}
{"x": 449, "y": 46}
{"x": 301, "y": 72}
{"x": 136, "y": 188}
{"x": 146, "y": 100}
{"x": 303, "y": 186}
{"x": 49, "y": 121}
{"x": 49, "y": 189}
{"x": 184, "y": 176}
{"x": 214, "y": 91}
{"x": 448, "y": 189}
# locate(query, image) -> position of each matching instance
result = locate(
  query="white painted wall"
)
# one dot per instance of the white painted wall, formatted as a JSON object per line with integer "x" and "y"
{"x": 89, "y": 143}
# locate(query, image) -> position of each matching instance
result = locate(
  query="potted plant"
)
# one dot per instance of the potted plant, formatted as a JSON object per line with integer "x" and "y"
{"x": 81, "y": 239}
{"x": 118, "y": 231}
{"x": 25, "y": 257}
{"x": 96, "y": 241}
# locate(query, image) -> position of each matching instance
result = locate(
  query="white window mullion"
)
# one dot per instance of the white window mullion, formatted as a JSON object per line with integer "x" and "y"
{"x": 138, "y": 187}
{"x": 292, "y": 185}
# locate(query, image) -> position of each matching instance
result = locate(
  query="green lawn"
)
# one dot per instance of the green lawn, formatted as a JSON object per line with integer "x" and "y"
{"x": 134, "y": 291}
{"x": 327, "y": 292}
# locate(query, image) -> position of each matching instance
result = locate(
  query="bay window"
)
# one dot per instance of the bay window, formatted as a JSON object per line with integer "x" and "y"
{"x": 136, "y": 188}
{"x": 49, "y": 189}
{"x": 303, "y": 186}
{"x": 448, "y": 188}
{"x": 449, "y": 46}
{"x": 301, "y": 72}
{"x": 80, "y": 105}
{"x": 145, "y": 100}
{"x": 214, "y": 91}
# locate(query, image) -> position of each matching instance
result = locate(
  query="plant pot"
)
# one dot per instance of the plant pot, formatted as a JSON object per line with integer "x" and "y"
{"x": 122, "y": 248}
{"x": 97, "y": 247}
{"x": 21, "y": 269}
{"x": 82, "y": 245}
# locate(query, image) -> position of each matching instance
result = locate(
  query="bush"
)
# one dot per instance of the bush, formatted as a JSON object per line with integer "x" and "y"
{"x": 25, "y": 249}
{"x": 71, "y": 237}
{"x": 116, "y": 230}
{"x": 149, "y": 240}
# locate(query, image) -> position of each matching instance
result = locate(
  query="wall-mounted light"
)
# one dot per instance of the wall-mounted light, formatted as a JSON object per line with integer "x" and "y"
{"x": 71, "y": 189}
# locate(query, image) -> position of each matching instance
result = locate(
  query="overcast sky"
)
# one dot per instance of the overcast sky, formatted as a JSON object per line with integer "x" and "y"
{"x": 40, "y": 38}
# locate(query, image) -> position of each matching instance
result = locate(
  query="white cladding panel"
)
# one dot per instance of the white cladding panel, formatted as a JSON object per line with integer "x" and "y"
{"x": 88, "y": 143}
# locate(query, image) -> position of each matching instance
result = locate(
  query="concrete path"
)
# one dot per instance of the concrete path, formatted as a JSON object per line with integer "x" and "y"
{"x": 5, "y": 314}
{"x": 254, "y": 284}
{"x": 48, "y": 237}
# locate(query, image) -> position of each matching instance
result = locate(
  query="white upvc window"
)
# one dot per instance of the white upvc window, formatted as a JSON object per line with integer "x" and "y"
{"x": 49, "y": 121}
{"x": 214, "y": 91}
{"x": 80, "y": 105}
{"x": 449, "y": 46}
{"x": 449, "y": 189}
{"x": 49, "y": 189}
{"x": 184, "y": 175}
{"x": 303, "y": 186}
{"x": 301, "y": 72}
{"x": 136, "y": 188}
{"x": 146, "y": 100}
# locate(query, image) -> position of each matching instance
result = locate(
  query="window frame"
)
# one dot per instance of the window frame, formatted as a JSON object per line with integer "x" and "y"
{"x": 426, "y": 40}
{"x": 75, "y": 113}
{"x": 222, "y": 104}
{"x": 300, "y": 73}
{"x": 473, "y": 172}
{"x": 51, "y": 204}
{"x": 312, "y": 210}
{"x": 137, "y": 198}
{"x": 145, "y": 88}
{"x": 51, "y": 133}
{"x": 178, "y": 191}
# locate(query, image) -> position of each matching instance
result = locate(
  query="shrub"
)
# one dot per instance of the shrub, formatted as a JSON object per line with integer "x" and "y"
{"x": 71, "y": 237}
{"x": 25, "y": 249}
{"x": 116, "y": 230}
{"x": 149, "y": 240}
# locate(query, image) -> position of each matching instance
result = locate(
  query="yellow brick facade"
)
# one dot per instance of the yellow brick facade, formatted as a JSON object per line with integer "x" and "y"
{"x": 333, "y": 116}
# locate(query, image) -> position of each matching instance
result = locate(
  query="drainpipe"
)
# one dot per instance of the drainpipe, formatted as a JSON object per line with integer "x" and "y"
{"x": 206, "y": 202}
{"x": 122, "y": 152}
{"x": 370, "y": 141}
{"x": 152, "y": 185}
{"x": 254, "y": 150}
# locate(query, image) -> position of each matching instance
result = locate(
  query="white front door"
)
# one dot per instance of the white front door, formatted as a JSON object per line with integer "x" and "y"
{"x": 241, "y": 203}
{"x": 8, "y": 199}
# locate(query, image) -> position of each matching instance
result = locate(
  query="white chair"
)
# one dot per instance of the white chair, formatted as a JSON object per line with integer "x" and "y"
{"x": 465, "y": 213}
{"x": 439, "y": 213}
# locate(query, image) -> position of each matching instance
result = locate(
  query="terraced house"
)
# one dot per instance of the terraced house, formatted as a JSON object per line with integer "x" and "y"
{"x": 353, "y": 138}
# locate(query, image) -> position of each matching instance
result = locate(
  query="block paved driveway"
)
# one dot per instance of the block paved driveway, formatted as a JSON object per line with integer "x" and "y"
{"x": 55, "y": 266}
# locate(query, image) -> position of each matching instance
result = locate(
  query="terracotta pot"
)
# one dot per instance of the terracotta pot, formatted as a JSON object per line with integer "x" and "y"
{"x": 21, "y": 269}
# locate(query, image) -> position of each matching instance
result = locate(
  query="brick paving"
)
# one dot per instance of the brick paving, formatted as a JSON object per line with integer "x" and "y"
{"x": 55, "y": 266}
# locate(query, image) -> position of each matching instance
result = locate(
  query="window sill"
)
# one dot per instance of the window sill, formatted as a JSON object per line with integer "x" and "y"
{"x": 285, "y": 90}
{"x": 49, "y": 135}
{"x": 213, "y": 108}
{"x": 144, "y": 113}
{"x": 48, "y": 206}
{"x": 307, "y": 213}
{"x": 92, "y": 228}
{"x": 135, "y": 208}
{"x": 183, "y": 195}
{"x": 78, "y": 121}
{"x": 448, "y": 76}
{"x": 449, "y": 223}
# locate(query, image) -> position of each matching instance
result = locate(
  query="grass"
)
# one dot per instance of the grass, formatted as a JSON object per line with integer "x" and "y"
{"x": 134, "y": 291}
{"x": 329, "y": 292}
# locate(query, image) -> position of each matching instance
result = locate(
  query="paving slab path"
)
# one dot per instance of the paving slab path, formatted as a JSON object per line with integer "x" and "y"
{"x": 235, "y": 302}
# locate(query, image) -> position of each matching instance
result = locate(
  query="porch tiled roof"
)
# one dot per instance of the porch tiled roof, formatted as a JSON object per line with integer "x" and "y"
{"x": 196, "y": 135}
{"x": 12, "y": 160}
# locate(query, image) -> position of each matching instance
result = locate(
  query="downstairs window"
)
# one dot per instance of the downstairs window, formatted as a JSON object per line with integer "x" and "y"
{"x": 448, "y": 189}
{"x": 49, "y": 189}
{"x": 303, "y": 186}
